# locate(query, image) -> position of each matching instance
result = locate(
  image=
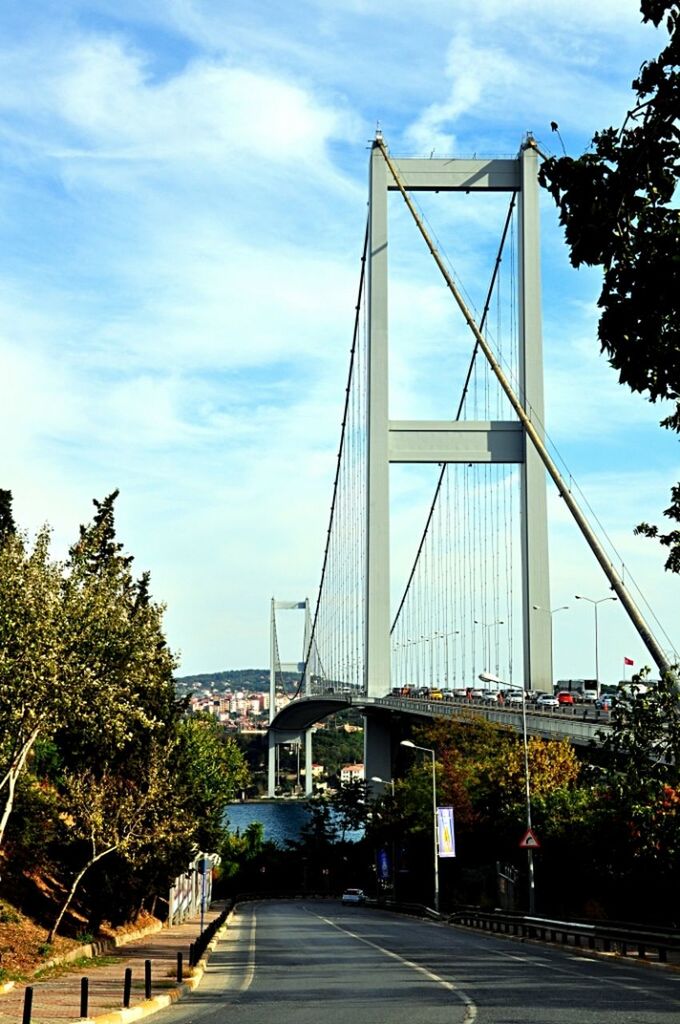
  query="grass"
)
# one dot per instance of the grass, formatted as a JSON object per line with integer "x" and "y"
{"x": 58, "y": 970}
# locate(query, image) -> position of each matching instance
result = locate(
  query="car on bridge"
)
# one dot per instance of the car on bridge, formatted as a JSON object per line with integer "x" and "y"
{"x": 564, "y": 698}
{"x": 515, "y": 697}
{"x": 545, "y": 700}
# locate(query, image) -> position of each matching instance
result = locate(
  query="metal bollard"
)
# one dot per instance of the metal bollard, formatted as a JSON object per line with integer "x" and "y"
{"x": 28, "y": 1004}
{"x": 147, "y": 979}
{"x": 127, "y": 988}
{"x": 180, "y": 974}
{"x": 84, "y": 997}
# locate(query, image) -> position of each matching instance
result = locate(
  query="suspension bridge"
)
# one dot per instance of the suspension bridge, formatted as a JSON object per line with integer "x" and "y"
{"x": 476, "y": 597}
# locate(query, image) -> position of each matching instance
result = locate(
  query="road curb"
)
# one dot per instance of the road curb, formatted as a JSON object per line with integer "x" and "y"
{"x": 160, "y": 1002}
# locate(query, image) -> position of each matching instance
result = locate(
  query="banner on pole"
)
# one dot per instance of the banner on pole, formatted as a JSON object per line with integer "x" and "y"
{"x": 446, "y": 838}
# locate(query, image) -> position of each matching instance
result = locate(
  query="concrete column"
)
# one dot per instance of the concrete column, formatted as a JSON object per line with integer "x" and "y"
{"x": 271, "y": 763}
{"x": 377, "y": 635}
{"x": 533, "y": 499}
{"x": 377, "y": 747}
{"x": 308, "y": 762}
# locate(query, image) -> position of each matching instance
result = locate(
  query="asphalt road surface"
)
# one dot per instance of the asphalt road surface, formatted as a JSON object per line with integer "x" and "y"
{"x": 321, "y": 963}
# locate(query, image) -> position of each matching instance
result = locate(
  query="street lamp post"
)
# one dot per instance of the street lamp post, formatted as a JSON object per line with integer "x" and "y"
{"x": 581, "y": 597}
{"x": 385, "y": 782}
{"x": 393, "y": 871}
{"x": 527, "y": 794}
{"x": 428, "y": 750}
{"x": 551, "y": 612}
{"x": 486, "y": 639}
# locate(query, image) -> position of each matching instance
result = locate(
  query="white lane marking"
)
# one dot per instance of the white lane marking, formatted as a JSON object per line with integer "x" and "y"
{"x": 635, "y": 985}
{"x": 250, "y": 968}
{"x": 470, "y": 1006}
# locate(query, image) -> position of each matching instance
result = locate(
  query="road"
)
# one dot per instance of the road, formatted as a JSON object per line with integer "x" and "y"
{"x": 317, "y": 962}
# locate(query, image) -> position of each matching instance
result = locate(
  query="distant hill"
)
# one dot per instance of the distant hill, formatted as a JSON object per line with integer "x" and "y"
{"x": 253, "y": 679}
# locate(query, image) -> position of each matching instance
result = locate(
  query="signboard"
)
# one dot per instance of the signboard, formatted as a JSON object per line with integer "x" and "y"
{"x": 529, "y": 841}
{"x": 446, "y": 839}
{"x": 383, "y": 864}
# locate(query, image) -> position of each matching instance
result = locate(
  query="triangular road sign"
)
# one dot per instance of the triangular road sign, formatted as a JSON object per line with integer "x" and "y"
{"x": 529, "y": 841}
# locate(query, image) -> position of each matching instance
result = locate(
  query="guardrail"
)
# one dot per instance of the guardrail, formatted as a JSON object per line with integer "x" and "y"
{"x": 606, "y": 936}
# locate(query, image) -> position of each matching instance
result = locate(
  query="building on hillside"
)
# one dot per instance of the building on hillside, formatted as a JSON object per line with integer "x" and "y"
{"x": 351, "y": 772}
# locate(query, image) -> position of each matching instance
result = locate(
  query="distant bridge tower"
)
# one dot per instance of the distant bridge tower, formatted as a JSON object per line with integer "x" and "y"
{"x": 276, "y": 670}
{"x": 391, "y": 441}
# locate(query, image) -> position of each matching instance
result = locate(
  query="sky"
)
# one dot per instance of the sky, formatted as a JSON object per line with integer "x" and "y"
{"x": 183, "y": 191}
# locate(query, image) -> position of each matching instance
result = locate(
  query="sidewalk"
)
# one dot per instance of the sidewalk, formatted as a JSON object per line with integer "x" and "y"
{"x": 57, "y": 1001}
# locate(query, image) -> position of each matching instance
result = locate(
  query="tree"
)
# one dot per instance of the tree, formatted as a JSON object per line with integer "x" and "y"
{"x": 118, "y": 811}
{"x": 208, "y": 770}
{"x": 7, "y": 525}
{"x": 641, "y": 755}
{"x": 33, "y": 694}
{"x": 115, "y": 656}
{"x": 617, "y": 204}
{"x": 350, "y": 806}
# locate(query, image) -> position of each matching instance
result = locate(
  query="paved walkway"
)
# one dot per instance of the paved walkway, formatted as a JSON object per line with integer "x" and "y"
{"x": 57, "y": 1001}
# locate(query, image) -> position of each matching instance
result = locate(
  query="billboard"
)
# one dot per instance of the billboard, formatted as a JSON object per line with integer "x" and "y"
{"x": 446, "y": 839}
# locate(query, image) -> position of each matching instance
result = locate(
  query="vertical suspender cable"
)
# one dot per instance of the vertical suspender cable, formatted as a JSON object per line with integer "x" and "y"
{"x": 617, "y": 584}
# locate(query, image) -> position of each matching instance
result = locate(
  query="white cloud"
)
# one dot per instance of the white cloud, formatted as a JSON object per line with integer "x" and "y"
{"x": 183, "y": 202}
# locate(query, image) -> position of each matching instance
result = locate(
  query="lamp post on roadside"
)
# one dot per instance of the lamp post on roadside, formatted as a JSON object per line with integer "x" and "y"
{"x": 551, "y": 612}
{"x": 385, "y": 782}
{"x": 581, "y": 597}
{"x": 428, "y": 750}
{"x": 527, "y": 795}
{"x": 486, "y": 639}
{"x": 393, "y": 866}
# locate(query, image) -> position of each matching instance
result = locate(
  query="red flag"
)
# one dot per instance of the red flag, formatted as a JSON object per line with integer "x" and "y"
{"x": 628, "y": 661}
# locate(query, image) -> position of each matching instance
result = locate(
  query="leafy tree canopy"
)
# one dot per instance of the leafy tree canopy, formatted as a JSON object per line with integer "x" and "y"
{"x": 618, "y": 206}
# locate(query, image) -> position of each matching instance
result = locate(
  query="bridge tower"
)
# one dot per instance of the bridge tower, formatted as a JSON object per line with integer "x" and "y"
{"x": 393, "y": 441}
{"x": 276, "y": 667}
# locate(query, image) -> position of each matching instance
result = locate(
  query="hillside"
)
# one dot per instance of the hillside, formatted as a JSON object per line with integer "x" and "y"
{"x": 252, "y": 679}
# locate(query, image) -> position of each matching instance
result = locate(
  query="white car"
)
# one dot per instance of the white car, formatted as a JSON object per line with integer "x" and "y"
{"x": 353, "y": 896}
{"x": 515, "y": 697}
{"x": 491, "y": 696}
{"x": 546, "y": 700}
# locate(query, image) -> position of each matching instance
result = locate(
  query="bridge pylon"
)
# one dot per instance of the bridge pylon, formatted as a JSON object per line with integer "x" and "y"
{"x": 276, "y": 668}
{"x": 447, "y": 441}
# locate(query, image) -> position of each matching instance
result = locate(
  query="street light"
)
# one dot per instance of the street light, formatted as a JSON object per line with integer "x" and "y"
{"x": 580, "y": 597}
{"x": 384, "y": 782}
{"x": 486, "y": 626}
{"x": 428, "y": 750}
{"x": 485, "y": 676}
{"x": 551, "y": 612}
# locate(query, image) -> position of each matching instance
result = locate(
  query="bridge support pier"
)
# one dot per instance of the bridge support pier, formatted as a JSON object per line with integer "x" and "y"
{"x": 308, "y": 762}
{"x": 377, "y": 749}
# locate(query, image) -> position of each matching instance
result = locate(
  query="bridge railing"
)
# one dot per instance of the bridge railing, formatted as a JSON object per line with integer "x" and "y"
{"x": 606, "y": 936}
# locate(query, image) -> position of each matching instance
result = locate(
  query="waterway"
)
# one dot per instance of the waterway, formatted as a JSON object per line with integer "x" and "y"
{"x": 282, "y": 819}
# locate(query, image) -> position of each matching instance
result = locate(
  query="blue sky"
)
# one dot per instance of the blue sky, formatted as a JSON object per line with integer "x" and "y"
{"x": 182, "y": 203}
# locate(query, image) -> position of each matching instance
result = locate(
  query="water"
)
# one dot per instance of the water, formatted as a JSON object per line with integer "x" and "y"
{"x": 282, "y": 819}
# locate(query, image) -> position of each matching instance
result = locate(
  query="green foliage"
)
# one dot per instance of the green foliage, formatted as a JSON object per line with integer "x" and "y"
{"x": 8, "y": 914}
{"x": 97, "y": 758}
{"x": 33, "y": 694}
{"x": 335, "y": 747}
{"x": 7, "y": 525}
{"x": 641, "y": 757}
{"x": 351, "y": 806}
{"x": 208, "y": 770}
{"x": 618, "y": 207}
